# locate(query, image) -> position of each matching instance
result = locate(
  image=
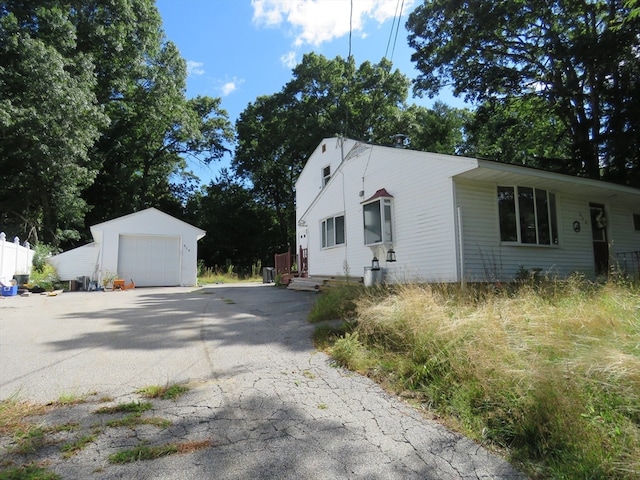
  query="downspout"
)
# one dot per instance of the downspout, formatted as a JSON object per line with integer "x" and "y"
{"x": 461, "y": 272}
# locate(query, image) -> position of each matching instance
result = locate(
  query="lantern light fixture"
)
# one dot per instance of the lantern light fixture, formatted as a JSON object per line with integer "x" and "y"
{"x": 375, "y": 263}
{"x": 391, "y": 255}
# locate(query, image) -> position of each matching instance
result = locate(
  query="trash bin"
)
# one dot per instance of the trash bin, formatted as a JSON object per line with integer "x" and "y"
{"x": 372, "y": 277}
{"x": 268, "y": 275}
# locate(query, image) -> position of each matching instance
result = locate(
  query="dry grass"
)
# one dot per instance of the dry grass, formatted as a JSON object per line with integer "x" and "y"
{"x": 549, "y": 371}
{"x": 18, "y": 415}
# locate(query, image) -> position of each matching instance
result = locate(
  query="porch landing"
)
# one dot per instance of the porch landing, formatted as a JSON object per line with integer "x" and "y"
{"x": 318, "y": 283}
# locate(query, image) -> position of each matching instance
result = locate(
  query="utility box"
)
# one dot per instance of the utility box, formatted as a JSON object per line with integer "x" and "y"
{"x": 372, "y": 276}
{"x": 268, "y": 275}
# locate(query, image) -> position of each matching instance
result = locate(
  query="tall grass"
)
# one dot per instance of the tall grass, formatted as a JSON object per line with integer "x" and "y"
{"x": 228, "y": 274}
{"x": 550, "y": 371}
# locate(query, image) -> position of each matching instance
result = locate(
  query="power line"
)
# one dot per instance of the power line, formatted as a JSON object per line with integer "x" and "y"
{"x": 351, "y": 27}
{"x": 393, "y": 23}
{"x": 397, "y": 30}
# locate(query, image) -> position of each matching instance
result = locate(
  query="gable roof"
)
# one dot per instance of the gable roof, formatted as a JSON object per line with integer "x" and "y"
{"x": 496, "y": 172}
{"x": 149, "y": 212}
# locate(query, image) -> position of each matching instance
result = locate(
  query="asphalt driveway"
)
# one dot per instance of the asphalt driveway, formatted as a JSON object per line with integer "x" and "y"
{"x": 262, "y": 401}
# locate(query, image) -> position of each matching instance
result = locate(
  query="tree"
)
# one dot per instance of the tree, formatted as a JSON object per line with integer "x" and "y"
{"x": 48, "y": 122}
{"x": 95, "y": 95}
{"x": 579, "y": 57}
{"x": 239, "y": 230}
{"x": 277, "y": 133}
{"x": 516, "y": 130}
{"x": 154, "y": 127}
{"x": 439, "y": 129}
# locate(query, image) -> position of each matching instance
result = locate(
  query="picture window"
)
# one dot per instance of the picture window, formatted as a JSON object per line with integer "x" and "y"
{"x": 527, "y": 215}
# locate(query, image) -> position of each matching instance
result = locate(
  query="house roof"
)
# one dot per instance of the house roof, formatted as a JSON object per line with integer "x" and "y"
{"x": 99, "y": 227}
{"x": 495, "y": 172}
{"x": 474, "y": 169}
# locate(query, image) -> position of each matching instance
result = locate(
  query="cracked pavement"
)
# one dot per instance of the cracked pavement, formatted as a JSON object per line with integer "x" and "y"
{"x": 262, "y": 403}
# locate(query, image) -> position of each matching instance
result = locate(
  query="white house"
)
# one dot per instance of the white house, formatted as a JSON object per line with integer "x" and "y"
{"x": 149, "y": 247}
{"x": 452, "y": 219}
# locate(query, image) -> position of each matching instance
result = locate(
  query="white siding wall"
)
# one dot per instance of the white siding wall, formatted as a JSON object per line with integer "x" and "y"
{"x": 425, "y": 220}
{"x": 150, "y": 222}
{"x": 79, "y": 262}
{"x": 486, "y": 258}
{"x": 423, "y": 211}
{"x": 309, "y": 183}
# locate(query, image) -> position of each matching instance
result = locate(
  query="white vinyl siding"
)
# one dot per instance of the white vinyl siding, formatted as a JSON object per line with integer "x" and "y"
{"x": 427, "y": 188}
{"x": 422, "y": 210}
{"x": 486, "y": 257}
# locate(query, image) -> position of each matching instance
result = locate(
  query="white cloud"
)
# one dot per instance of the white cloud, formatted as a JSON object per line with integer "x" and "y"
{"x": 289, "y": 59}
{"x": 230, "y": 86}
{"x": 317, "y": 21}
{"x": 195, "y": 68}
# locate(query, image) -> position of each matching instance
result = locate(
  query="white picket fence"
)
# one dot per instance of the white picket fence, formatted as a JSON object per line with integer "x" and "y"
{"x": 15, "y": 259}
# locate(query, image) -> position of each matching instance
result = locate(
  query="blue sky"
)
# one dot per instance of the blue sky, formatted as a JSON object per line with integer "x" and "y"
{"x": 240, "y": 49}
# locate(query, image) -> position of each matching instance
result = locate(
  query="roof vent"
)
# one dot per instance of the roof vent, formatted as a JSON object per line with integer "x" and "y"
{"x": 400, "y": 140}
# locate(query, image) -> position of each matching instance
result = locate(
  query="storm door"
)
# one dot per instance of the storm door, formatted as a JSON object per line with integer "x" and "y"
{"x": 599, "y": 236}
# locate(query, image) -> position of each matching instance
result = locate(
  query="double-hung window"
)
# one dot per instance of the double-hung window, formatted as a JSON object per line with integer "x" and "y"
{"x": 333, "y": 231}
{"x": 527, "y": 215}
{"x": 326, "y": 175}
{"x": 377, "y": 221}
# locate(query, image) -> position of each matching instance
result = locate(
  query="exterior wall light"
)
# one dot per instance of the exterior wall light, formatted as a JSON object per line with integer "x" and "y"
{"x": 391, "y": 255}
{"x": 375, "y": 263}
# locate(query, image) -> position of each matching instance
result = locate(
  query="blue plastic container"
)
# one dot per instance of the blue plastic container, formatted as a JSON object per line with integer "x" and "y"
{"x": 10, "y": 291}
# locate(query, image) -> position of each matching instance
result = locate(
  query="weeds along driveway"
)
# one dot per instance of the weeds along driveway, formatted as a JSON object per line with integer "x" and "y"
{"x": 262, "y": 401}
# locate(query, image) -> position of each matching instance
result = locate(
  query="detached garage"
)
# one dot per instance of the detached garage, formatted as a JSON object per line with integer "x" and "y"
{"x": 149, "y": 247}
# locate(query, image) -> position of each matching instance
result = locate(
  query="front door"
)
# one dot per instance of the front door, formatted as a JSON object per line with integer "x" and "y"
{"x": 599, "y": 236}
{"x": 303, "y": 252}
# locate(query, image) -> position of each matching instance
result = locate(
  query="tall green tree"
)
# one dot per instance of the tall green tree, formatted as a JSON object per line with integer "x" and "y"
{"x": 579, "y": 57}
{"x": 240, "y": 231}
{"x": 103, "y": 78}
{"x": 154, "y": 130}
{"x": 277, "y": 133}
{"x": 49, "y": 120}
{"x": 521, "y": 131}
{"x": 437, "y": 129}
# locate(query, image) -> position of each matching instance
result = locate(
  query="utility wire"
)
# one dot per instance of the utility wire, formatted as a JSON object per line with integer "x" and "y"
{"x": 395, "y": 15}
{"x": 397, "y": 30}
{"x": 351, "y": 27}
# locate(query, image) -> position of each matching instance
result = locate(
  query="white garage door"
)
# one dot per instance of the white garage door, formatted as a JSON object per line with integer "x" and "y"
{"x": 150, "y": 261}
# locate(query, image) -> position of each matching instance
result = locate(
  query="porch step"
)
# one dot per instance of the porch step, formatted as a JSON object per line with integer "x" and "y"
{"x": 307, "y": 284}
{"x": 315, "y": 284}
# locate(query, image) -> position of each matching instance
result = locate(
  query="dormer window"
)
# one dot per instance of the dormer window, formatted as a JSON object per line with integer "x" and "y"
{"x": 326, "y": 175}
{"x": 377, "y": 218}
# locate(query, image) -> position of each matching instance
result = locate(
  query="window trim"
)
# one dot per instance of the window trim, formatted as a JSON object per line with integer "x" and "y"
{"x": 385, "y": 208}
{"x": 324, "y": 231}
{"x": 532, "y": 196}
{"x": 325, "y": 173}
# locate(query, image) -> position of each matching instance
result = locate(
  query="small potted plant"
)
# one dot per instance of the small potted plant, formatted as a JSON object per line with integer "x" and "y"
{"x": 107, "y": 280}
